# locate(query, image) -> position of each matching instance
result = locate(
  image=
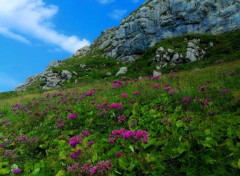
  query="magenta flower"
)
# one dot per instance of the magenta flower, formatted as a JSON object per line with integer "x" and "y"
{"x": 172, "y": 91}
{"x": 34, "y": 139}
{"x": 129, "y": 134}
{"x": 156, "y": 85}
{"x": 93, "y": 170}
{"x": 73, "y": 142}
{"x": 116, "y": 106}
{"x": 136, "y": 93}
{"x": 103, "y": 167}
{"x": 86, "y": 133}
{"x": 90, "y": 143}
{"x": 73, "y": 167}
{"x": 73, "y": 116}
{"x": 48, "y": 95}
{"x": 118, "y": 155}
{"x": 186, "y": 99}
{"x": 16, "y": 171}
{"x": 90, "y": 93}
{"x": 208, "y": 81}
{"x": 122, "y": 118}
{"x": 117, "y": 84}
{"x": 171, "y": 76}
{"x": 166, "y": 88}
{"x": 224, "y": 90}
{"x": 202, "y": 88}
{"x": 75, "y": 154}
{"x": 23, "y": 138}
{"x": 142, "y": 135}
{"x": 131, "y": 101}
{"x": 124, "y": 95}
{"x": 85, "y": 169}
{"x": 155, "y": 77}
{"x": 167, "y": 84}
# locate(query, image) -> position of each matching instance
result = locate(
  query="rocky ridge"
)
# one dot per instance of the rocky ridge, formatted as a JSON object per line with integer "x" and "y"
{"x": 159, "y": 19}
{"x": 50, "y": 79}
{"x": 153, "y": 21}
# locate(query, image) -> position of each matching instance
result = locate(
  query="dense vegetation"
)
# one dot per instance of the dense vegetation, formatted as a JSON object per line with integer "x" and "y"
{"x": 185, "y": 123}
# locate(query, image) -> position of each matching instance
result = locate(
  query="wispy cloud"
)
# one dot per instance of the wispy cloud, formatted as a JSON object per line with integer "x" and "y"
{"x": 21, "y": 19}
{"x": 9, "y": 34}
{"x": 105, "y": 1}
{"x": 118, "y": 13}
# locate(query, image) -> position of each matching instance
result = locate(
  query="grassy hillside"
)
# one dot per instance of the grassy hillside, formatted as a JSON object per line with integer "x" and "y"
{"x": 226, "y": 48}
{"x": 184, "y": 123}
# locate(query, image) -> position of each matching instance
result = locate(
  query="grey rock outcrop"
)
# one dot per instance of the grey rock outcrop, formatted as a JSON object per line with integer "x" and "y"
{"x": 49, "y": 79}
{"x": 82, "y": 52}
{"x": 158, "y": 19}
{"x": 193, "y": 53}
{"x": 122, "y": 71}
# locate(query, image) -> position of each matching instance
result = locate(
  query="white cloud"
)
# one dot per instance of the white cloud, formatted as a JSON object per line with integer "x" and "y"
{"x": 118, "y": 13}
{"x": 21, "y": 18}
{"x": 9, "y": 34}
{"x": 105, "y": 1}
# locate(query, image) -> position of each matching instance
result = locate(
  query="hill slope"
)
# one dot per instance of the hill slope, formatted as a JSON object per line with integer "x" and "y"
{"x": 185, "y": 123}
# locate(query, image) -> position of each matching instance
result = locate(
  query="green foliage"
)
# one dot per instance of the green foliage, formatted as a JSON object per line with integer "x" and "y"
{"x": 185, "y": 138}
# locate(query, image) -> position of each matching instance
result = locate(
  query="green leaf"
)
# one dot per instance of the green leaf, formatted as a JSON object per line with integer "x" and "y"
{"x": 35, "y": 172}
{"x": 131, "y": 148}
{"x": 180, "y": 124}
{"x": 239, "y": 163}
{"x": 61, "y": 173}
{"x": 4, "y": 171}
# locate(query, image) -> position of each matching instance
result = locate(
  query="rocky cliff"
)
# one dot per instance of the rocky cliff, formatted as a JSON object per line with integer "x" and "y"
{"x": 153, "y": 21}
{"x": 159, "y": 19}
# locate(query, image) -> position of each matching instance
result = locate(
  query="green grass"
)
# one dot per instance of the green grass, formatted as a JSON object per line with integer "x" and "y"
{"x": 184, "y": 139}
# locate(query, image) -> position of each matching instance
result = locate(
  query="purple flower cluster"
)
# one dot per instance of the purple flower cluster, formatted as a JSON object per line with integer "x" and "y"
{"x": 16, "y": 171}
{"x": 156, "y": 85}
{"x": 124, "y": 95}
{"x": 155, "y": 77}
{"x": 90, "y": 93}
{"x": 224, "y": 91}
{"x": 118, "y": 155}
{"x": 122, "y": 118}
{"x": 187, "y": 100}
{"x": 101, "y": 168}
{"x": 73, "y": 142}
{"x": 139, "y": 135}
{"x": 73, "y": 168}
{"x": 136, "y": 93}
{"x": 116, "y": 106}
{"x": 73, "y": 116}
{"x": 172, "y": 91}
{"x": 78, "y": 140}
{"x": 75, "y": 154}
{"x": 117, "y": 84}
{"x": 202, "y": 88}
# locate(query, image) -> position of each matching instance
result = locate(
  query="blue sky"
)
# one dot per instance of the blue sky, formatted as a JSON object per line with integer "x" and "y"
{"x": 35, "y": 32}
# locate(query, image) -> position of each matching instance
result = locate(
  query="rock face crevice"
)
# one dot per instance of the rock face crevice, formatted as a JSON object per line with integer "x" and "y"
{"x": 159, "y": 19}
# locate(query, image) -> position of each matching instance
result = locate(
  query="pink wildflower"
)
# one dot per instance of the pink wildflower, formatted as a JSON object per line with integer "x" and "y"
{"x": 224, "y": 91}
{"x": 124, "y": 95}
{"x": 116, "y": 106}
